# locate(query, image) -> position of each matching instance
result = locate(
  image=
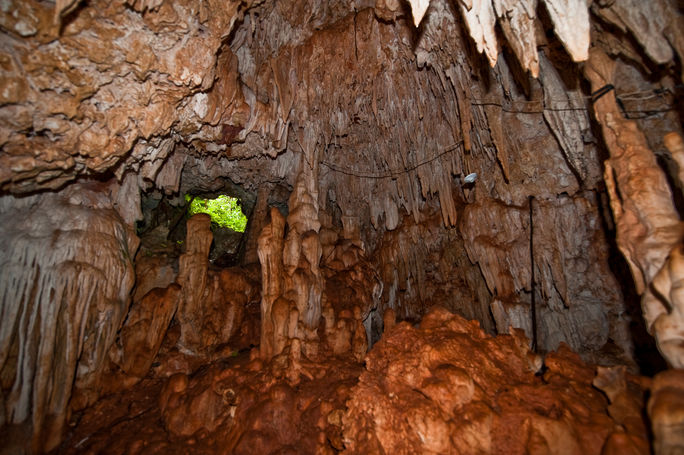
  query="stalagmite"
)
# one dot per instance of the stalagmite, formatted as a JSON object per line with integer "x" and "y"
{"x": 192, "y": 277}
{"x": 270, "y": 250}
{"x": 302, "y": 280}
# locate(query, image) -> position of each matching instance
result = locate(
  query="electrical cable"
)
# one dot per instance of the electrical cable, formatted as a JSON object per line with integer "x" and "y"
{"x": 631, "y": 96}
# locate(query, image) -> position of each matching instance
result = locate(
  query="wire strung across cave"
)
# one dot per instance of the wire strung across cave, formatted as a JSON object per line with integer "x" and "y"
{"x": 391, "y": 174}
{"x": 541, "y": 108}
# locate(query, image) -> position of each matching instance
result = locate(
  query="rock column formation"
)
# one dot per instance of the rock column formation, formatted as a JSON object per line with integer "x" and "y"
{"x": 302, "y": 281}
{"x": 648, "y": 226}
{"x": 291, "y": 276}
{"x": 270, "y": 250}
{"x": 192, "y": 277}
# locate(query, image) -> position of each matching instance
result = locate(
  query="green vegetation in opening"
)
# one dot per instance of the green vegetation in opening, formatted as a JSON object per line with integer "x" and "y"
{"x": 225, "y": 211}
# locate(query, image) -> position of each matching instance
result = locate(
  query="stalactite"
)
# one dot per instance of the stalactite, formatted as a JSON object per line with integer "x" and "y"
{"x": 481, "y": 20}
{"x": 648, "y": 226}
{"x": 571, "y": 25}
{"x": 65, "y": 278}
{"x": 517, "y": 19}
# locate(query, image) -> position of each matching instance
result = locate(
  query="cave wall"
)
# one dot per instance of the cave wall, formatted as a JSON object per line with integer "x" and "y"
{"x": 386, "y": 148}
{"x": 65, "y": 277}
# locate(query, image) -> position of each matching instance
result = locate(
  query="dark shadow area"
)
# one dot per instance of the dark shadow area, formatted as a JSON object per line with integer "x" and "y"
{"x": 646, "y": 354}
{"x": 163, "y": 227}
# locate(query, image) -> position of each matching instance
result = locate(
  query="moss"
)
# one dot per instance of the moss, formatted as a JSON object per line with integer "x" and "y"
{"x": 225, "y": 211}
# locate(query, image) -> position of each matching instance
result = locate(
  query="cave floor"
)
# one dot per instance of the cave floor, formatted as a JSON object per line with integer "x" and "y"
{"x": 443, "y": 386}
{"x": 285, "y": 416}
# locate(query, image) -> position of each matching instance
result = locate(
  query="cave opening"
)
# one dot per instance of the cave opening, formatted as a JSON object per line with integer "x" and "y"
{"x": 456, "y": 227}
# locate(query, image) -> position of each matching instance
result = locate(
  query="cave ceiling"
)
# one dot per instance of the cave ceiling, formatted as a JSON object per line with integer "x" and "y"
{"x": 247, "y": 90}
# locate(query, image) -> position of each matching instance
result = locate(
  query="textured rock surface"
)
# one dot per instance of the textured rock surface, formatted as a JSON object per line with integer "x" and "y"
{"x": 239, "y": 406}
{"x": 108, "y": 85}
{"x": 446, "y": 387}
{"x": 648, "y": 225}
{"x": 359, "y": 122}
{"x": 65, "y": 278}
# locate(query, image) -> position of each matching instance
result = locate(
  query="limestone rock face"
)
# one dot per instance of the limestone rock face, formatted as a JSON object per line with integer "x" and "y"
{"x": 106, "y": 85}
{"x": 440, "y": 389}
{"x": 192, "y": 277}
{"x": 145, "y": 327}
{"x": 66, "y": 274}
{"x": 578, "y": 297}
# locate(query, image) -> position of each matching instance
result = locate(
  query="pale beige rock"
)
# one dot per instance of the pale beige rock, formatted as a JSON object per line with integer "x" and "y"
{"x": 65, "y": 281}
{"x": 517, "y": 19}
{"x": 418, "y": 8}
{"x": 571, "y": 25}
{"x": 663, "y": 308}
{"x": 481, "y": 20}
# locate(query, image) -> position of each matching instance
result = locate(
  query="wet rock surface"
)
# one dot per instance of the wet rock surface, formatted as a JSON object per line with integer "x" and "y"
{"x": 447, "y": 387}
{"x": 442, "y": 387}
{"x": 397, "y": 155}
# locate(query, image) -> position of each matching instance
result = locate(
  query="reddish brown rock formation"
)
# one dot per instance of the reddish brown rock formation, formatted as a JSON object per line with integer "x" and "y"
{"x": 447, "y": 387}
{"x": 391, "y": 155}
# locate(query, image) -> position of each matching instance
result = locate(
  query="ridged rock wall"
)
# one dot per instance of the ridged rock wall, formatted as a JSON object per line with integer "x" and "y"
{"x": 391, "y": 117}
{"x": 65, "y": 277}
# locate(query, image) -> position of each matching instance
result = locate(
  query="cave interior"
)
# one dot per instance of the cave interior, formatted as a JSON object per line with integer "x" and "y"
{"x": 462, "y": 237}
